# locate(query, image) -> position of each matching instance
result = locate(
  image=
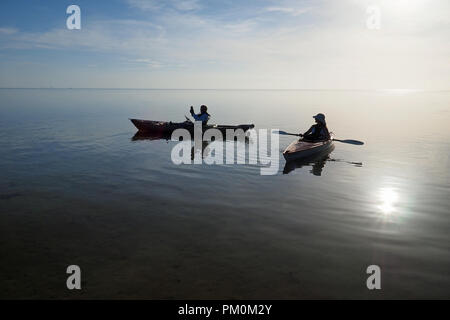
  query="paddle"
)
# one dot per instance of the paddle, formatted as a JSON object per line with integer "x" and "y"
{"x": 288, "y": 134}
{"x": 355, "y": 142}
{"x": 357, "y": 164}
{"x": 187, "y": 118}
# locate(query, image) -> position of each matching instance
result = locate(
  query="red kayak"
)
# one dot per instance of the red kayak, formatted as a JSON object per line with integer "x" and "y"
{"x": 167, "y": 128}
{"x": 299, "y": 149}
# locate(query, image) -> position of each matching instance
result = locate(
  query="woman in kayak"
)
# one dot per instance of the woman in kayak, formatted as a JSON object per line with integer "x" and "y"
{"x": 203, "y": 116}
{"x": 318, "y": 131}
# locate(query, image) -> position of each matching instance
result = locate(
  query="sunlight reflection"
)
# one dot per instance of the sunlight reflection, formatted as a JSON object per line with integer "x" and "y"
{"x": 388, "y": 198}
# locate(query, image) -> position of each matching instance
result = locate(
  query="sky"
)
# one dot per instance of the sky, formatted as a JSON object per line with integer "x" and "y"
{"x": 227, "y": 44}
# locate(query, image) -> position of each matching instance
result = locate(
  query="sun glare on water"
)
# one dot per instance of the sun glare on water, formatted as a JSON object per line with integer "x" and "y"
{"x": 388, "y": 198}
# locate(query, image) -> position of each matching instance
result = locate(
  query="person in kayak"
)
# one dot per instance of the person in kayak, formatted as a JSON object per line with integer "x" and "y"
{"x": 203, "y": 116}
{"x": 318, "y": 131}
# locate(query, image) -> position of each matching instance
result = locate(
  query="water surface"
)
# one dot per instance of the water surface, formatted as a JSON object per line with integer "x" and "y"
{"x": 76, "y": 189}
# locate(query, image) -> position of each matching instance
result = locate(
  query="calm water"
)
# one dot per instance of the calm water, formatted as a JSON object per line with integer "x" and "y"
{"x": 75, "y": 189}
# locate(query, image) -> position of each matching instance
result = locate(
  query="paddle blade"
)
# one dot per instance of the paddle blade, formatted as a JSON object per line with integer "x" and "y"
{"x": 355, "y": 142}
{"x": 285, "y": 133}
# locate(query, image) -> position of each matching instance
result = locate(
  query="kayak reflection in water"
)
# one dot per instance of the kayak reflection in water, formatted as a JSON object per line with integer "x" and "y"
{"x": 203, "y": 116}
{"x": 318, "y": 131}
{"x": 203, "y": 150}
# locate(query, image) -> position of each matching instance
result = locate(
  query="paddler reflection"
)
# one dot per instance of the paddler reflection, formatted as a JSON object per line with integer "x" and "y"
{"x": 203, "y": 150}
{"x": 158, "y": 136}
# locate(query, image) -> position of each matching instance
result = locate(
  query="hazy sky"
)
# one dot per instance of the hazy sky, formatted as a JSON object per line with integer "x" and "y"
{"x": 321, "y": 44}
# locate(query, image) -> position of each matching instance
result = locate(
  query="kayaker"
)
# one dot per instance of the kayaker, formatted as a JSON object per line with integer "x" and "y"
{"x": 318, "y": 131}
{"x": 203, "y": 116}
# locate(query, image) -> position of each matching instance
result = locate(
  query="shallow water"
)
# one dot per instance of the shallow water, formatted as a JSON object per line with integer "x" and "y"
{"x": 76, "y": 189}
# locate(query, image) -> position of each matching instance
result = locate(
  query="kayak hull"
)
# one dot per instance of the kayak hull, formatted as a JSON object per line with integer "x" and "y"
{"x": 166, "y": 128}
{"x": 316, "y": 161}
{"x": 300, "y": 149}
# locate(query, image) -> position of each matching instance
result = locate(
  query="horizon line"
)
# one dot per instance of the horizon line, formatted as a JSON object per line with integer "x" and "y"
{"x": 221, "y": 89}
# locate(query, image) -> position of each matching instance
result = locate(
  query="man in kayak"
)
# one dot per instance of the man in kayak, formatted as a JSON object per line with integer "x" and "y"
{"x": 318, "y": 131}
{"x": 203, "y": 116}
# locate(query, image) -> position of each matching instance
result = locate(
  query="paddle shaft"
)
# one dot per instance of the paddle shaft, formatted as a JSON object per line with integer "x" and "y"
{"x": 355, "y": 142}
{"x": 292, "y": 134}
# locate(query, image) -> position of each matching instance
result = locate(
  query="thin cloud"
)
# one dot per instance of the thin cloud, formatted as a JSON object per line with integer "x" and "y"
{"x": 148, "y": 62}
{"x": 288, "y": 10}
{"x": 8, "y": 31}
{"x": 145, "y": 5}
{"x": 153, "y": 5}
{"x": 187, "y": 5}
{"x": 241, "y": 27}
